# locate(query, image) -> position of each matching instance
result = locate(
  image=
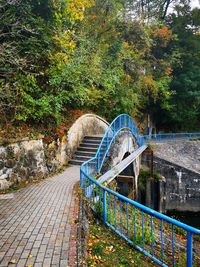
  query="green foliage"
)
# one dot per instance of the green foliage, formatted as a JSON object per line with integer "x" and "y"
{"x": 146, "y": 235}
{"x": 60, "y": 55}
{"x": 145, "y": 174}
{"x": 185, "y": 103}
{"x": 105, "y": 248}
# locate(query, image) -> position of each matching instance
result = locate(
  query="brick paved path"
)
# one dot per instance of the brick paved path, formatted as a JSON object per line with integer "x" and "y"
{"x": 37, "y": 226}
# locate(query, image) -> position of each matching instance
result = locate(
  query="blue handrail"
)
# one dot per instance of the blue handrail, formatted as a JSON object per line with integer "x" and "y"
{"x": 122, "y": 121}
{"x": 126, "y": 217}
{"x": 170, "y": 137}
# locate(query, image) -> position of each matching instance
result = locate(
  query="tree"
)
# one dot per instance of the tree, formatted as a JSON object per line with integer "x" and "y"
{"x": 34, "y": 36}
{"x": 185, "y": 112}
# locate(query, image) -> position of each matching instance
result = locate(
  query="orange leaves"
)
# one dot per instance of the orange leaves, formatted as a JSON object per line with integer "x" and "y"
{"x": 168, "y": 71}
{"x": 164, "y": 31}
{"x": 163, "y": 35}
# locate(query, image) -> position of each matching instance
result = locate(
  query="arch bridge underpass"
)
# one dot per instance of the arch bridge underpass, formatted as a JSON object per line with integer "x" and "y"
{"x": 152, "y": 233}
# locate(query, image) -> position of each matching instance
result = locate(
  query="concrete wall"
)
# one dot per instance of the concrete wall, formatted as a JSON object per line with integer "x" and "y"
{"x": 34, "y": 159}
{"x": 88, "y": 124}
{"x": 180, "y": 187}
{"x": 183, "y": 153}
{"x": 123, "y": 144}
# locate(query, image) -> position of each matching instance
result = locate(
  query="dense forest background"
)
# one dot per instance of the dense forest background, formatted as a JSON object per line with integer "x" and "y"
{"x": 106, "y": 56}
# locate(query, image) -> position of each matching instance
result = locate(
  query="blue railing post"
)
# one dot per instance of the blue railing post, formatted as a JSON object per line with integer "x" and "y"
{"x": 89, "y": 184}
{"x": 104, "y": 206}
{"x": 189, "y": 249}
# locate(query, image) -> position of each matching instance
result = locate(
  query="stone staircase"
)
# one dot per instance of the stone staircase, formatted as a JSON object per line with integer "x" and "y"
{"x": 86, "y": 150}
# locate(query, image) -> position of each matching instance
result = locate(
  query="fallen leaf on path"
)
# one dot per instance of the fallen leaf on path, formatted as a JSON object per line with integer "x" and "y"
{"x": 111, "y": 248}
{"x": 12, "y": 261}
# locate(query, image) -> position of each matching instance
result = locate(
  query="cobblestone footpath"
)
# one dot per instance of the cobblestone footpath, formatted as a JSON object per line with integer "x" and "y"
{"x": 38, "y": 226}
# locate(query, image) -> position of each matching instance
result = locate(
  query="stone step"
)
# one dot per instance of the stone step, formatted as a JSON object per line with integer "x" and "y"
{"x": 87, "y": 149}
{"x": 85, "y": 153}
{"x": 91, "y": 141}
{"x": 93, "y": 137}
{"x": 76, "y": 162}
{"x": 89, "y": 145}
{"x": 82, "y": 158}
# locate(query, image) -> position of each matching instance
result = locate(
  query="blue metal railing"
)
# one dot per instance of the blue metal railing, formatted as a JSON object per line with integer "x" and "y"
{"x": 122, "y": 122}
{"x": 152, "y": 233}
{"x": 125, "y": 123}
{"x": 170, "y": 137}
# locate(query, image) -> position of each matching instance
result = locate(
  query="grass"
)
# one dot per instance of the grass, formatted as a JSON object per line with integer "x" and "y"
{"x": 105, "y": 249}
{"x": 99, "y": 253}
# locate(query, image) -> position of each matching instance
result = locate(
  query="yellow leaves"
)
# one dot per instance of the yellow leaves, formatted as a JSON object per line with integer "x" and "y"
{"x": 95, "y": 257}
{"x": 126, "y": 45}
{"x": 76, "y": 8}
{"x": 13, "y": 261}
{"x": 90, "y": 244}
{"x": 127, "y": 78}
{"x": 59, "y": 59}
{"x": 93, "y": 17}
{"x": 149, "y": 86}
{"x": 66, "y": 46}
{"x": 65, "y": 41}
{"x": 149, "y": 81}
{"x": 97, "y": 96}
{"x": 109, "y": 249}
{"x": 168, "y": 71}
{"x": 197, "y": 32}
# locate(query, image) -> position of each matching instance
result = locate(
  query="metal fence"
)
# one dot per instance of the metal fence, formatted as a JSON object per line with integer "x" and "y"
{"x": 152, "y": 233}
{"x": 169, "y": 137}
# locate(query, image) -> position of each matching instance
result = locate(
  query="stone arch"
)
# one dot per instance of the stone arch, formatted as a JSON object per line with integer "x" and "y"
{"x": 125, "y": 144}
{"x": 129, "y": 171}
{"x": 88, "y": 124}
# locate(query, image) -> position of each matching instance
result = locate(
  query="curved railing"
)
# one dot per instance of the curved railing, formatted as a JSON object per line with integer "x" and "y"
{"x": 152, "y": 233}
{"x": 122, "y": 122}
{"x": 125, "y": 122}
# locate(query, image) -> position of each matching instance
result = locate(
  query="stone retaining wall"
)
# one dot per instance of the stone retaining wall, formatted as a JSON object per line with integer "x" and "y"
{"x": 125, "y": 143}
{"x": 179, "y": 188}
{"x": 26, "y": 160}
